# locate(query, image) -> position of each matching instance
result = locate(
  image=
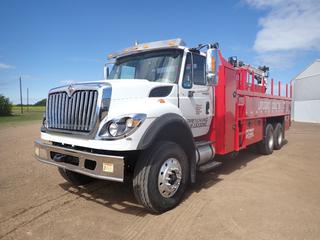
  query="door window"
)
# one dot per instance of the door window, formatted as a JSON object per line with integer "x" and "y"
{"x": 199, "y": 70}
{"x": 187, "y": 76}
{"x": 194, "y": 71}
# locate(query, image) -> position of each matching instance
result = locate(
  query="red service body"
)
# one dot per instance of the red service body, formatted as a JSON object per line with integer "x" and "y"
{"x": 243, "y": 108}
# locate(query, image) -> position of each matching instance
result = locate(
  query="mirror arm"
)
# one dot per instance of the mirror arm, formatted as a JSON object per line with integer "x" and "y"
{"x": 106, "y": 72}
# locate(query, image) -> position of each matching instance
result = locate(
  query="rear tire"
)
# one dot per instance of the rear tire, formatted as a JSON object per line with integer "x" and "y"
{"x": 267, "y": 144}
{"x": 278, "y": 136}
{"x": 75, "y": 178}
{"x": 161, "y": 176}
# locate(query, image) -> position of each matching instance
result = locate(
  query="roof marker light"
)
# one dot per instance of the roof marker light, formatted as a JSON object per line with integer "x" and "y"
{"x": 172, "y": 43}
{"x": 150, "y": 45}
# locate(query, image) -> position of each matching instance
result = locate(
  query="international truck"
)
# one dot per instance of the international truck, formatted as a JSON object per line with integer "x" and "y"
{"x": 160, "y": 117}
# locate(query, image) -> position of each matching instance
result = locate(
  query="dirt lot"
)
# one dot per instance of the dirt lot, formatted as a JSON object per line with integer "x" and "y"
{"x": 252, "y": 197}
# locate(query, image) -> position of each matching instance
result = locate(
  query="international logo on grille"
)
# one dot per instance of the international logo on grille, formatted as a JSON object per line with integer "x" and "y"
{"x": 70, "y": 90}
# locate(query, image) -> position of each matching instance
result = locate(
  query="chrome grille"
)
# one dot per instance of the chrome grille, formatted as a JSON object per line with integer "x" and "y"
{"x": 75, "y": 113}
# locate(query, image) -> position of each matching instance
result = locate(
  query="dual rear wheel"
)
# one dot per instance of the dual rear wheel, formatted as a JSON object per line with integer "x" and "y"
{"x": 273, "y": 139}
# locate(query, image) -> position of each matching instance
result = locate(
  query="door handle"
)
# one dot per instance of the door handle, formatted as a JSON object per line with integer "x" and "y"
{"x": 190, "y": 93}
{"x": 207, "y": 108}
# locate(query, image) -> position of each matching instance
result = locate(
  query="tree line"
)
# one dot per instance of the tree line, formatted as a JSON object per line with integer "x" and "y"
{"x": 6, "y": 105}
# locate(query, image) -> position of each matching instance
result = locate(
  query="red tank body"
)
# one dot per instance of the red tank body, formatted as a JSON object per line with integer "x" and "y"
{"x": 242, "y": 109}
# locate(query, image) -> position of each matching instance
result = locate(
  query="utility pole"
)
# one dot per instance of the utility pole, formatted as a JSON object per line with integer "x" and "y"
{"x": 27, "y": 99}
{"x": 21, "y": 96}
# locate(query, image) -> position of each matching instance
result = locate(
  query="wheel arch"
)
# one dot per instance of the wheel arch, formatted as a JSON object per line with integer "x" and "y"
{"x": 171, "y": 127}
{"x": 277, "y": 119}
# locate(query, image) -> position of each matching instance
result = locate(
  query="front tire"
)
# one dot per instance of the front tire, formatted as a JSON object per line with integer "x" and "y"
{"x": 74, "y": 178}
{"x": 161, "y": 176}
{"x": 267, "y": 144}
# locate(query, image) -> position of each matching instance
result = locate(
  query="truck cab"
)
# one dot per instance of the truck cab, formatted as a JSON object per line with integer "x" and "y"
{"x": 175, "y": 75}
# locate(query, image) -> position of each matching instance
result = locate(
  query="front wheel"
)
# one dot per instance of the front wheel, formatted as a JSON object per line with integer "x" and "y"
{"x": 161, "y": 177}
{"x": 74, "y": 178}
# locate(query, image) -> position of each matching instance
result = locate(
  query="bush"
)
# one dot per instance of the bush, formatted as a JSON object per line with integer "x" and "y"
{"x": 41, "y": 102}
{"x": 5, "y": 106}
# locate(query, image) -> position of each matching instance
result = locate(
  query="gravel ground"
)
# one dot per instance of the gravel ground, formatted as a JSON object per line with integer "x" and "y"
{"x": 251, "y": 197}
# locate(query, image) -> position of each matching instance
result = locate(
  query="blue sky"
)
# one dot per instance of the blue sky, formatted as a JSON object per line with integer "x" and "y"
{"x": 50, "y": 43}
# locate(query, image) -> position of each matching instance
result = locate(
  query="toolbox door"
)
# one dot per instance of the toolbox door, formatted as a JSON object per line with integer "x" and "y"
{"x": 230, "y": 100}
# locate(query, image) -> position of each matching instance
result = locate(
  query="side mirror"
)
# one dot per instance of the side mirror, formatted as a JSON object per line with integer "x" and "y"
{"x": 212, "y": 66}
{"x": 106, "y": 72}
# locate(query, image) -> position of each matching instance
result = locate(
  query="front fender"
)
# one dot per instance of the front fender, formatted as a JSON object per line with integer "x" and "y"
{"x": 160, "y": 124}
{"x": 171, "y": 127}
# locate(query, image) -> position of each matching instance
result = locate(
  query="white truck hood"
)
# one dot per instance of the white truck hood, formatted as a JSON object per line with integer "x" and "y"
{"x": 121, "y": 88}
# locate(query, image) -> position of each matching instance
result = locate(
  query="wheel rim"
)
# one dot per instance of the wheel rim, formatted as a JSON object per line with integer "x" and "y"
{"x": 169, "y": 177}
{"x": 270, "y": 143}
{"x": 280, "y": 139}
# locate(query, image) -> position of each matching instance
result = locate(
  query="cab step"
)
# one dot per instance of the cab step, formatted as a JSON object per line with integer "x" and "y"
{"x": 209, "y": 166}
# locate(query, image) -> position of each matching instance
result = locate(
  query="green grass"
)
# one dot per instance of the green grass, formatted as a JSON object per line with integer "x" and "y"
{"x": 35, "y": 113}
{"x": 16, "y": 109}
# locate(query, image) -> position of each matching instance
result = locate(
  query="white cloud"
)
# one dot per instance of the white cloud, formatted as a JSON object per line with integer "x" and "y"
{"x": 278, "y": 60}
{"x": 264, "y": 3}
{"x": 289, "y": 28}
{"x": 5, "y": 66}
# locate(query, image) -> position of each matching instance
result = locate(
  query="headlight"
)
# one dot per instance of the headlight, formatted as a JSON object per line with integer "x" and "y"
{"x": 121, "y": 127}
{"x": 113, "y": 129}
{"x": 44, "y": 123}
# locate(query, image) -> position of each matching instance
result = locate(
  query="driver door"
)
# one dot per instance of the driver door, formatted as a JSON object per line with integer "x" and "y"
{"x": 195, "y": 95}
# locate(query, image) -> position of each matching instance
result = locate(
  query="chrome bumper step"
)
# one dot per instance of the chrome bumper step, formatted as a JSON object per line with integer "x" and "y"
{"x": 99, "y": 166}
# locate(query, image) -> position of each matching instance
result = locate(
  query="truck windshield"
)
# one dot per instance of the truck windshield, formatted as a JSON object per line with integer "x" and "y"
{"x": 155, "y": 66}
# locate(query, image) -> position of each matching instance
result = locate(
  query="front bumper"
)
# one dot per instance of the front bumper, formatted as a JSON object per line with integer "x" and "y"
{"x": 100, "y": 166}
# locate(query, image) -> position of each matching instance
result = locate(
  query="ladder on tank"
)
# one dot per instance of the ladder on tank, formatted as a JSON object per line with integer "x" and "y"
{"x": 240, "y": 128}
